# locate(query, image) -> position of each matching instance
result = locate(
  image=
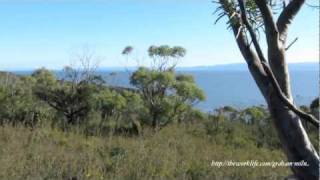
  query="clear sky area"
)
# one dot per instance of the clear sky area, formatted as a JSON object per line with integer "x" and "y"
{"x": 44, "y": 33}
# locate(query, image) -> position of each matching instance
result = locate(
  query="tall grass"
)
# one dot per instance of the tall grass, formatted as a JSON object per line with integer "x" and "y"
{"x": 175, "y": 152}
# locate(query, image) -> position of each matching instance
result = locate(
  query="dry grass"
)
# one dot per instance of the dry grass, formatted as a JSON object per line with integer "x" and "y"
{"x": 176, "y": 152}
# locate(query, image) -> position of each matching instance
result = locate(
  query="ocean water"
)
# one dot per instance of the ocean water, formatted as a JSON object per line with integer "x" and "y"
{"x": 236, "y": 88}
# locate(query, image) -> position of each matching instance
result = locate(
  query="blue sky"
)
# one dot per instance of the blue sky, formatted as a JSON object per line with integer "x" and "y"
{"x": 34, "y": 34}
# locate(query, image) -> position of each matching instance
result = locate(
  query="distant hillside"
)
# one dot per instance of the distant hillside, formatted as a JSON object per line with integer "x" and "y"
{"x": 304, "y": 66}
{"x": 309, "y": 66}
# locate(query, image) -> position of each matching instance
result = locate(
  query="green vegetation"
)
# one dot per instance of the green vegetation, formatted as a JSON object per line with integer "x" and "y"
{"x": 168, "y": 97}
{"x": 77, "y": 127}
{"x": 175, "y": 152}
{"x": 314, "y": 107}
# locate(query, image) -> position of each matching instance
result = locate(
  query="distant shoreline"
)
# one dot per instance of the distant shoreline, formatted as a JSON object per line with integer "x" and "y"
{"x": 306, "y": 66}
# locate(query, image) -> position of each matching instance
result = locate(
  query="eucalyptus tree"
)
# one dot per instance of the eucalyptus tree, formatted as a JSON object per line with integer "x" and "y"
{"x": 247, "y": 20}
{"x": 167, "y": 96}
{"x": 165, "y": 57}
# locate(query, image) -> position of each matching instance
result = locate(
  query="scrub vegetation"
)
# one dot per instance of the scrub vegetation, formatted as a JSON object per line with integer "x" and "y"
{"x": 75, "y": 126}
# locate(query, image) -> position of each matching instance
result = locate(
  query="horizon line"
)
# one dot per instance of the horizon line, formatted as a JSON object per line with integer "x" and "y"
{"x": 135, "y": 67}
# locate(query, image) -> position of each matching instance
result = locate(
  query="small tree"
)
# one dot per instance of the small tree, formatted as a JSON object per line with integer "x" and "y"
{"x": 165, "y": 95}
{"x": 72, "y": 96}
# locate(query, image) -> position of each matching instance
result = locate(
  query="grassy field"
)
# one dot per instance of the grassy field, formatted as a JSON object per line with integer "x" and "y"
{"x": 175, "y": 152}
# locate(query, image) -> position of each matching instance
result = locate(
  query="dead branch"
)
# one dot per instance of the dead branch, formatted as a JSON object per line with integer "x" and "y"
{"x": 294, "y": 41}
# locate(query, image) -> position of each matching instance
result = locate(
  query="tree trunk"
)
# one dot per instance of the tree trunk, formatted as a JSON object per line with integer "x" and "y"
{"x": 294, "y": 139}
{"x": 155, "y": 122}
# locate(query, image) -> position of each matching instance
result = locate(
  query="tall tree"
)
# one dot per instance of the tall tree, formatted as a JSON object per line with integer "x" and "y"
{"x": 246, "y": 18}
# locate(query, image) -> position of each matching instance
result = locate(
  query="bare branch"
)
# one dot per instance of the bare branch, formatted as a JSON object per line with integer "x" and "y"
{"x": 287, "y": 16}
{"x": 294, "y": 41}
{"x": 269, "y": 24}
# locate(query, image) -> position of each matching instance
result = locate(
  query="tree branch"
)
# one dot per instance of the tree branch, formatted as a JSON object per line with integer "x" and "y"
{"x": 286, "y": 101}
{"x": 269, "y": 24}
{"x": 269, "y": 72}
{"x": 247, "y": 52}
{"x": 251, "y": 31}
{"x": 287, "y": 16}
{"x": 294, "y": 41}
{"x": 276, "y": 49}
{"x": 238, "y": 30}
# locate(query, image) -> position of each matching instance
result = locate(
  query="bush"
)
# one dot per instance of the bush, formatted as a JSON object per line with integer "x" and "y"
{"x": 18, "y": 105}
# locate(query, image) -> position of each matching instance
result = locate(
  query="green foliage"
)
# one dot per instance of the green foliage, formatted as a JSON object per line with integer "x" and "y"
{"x": 178, "y": 151}
{"x": 167, "y": 96}
{"x": 74, "y": 102}
{"x": 253, "y": 123}
{"x": 18, "y": 105}
{"x": 82, "y": 99}
{"x": 160, "y": 98}
{"x": 172, "y": 153}
{"x": 110, "y": 103}
{"x": 253, "y": 115}
{"x": 314, "y": 106}
{"x": 118, "y": 111}
{"x": 187, "y": 90}
{"x": 182, "y": 150}
{"x": 166, "y": 51}
{"x": 44, "y": 77}
{"x": 164, "y": 58}
{"x": 231, "y": 10}
{"x": 314, "y": 103}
